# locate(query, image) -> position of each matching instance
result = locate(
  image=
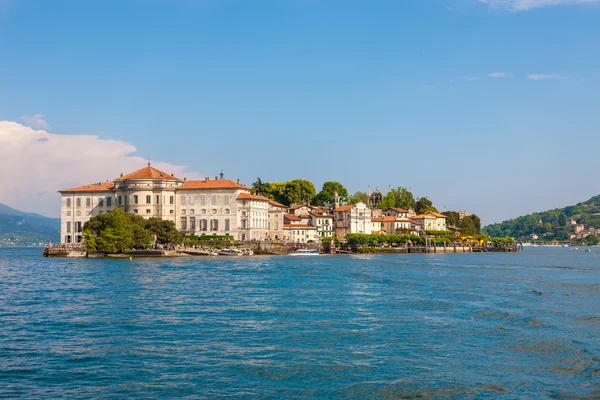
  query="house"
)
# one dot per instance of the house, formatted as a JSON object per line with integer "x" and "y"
{"x": 396, "y": 225}
{"x": 352, "y": 218}
{"x": 377, "y": 225}
{"x": 276, "y": 213}
{"x": 300, "y": 209}
{"x": 323, "y": 221}
{"x": 297, "y": 230}
{"x": 431, "y": 221}
{"x": 579, "y": 228}
{"x": 396, "y": 212}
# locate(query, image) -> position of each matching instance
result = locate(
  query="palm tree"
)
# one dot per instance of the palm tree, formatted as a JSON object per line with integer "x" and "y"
{"x": 259, "y": 187}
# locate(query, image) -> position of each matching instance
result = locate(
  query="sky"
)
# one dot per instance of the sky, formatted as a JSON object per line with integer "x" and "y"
{"x": 490, "y": 106}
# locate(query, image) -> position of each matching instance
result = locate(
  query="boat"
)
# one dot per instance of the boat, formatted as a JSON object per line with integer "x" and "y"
{"x": 304, "y": 252}
{"x": 246, "y": 251}
{"x": 575, "y": 248}
{"x": 588, "y": 250}
{"x": 229, "y": 252}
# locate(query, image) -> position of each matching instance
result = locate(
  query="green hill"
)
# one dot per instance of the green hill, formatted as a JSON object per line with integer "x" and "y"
{"x": 551, "y": 225}
{"x": 18, "y": 228}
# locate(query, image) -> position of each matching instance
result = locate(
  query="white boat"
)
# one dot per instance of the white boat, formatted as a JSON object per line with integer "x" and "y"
{"x": 575, "y": 248}
{"x": 246, "y": 251}
{"x": 588, "y": 250}
{"x": 304, "y": 252}
{"x": 229, "y": 252}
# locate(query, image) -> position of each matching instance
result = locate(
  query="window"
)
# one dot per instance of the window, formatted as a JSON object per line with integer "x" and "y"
{"x": 78, "y": 213}
{"x": 214, "y": 211}
{"x": 244, "y": 223}
{"x": 203, "y": 211}
{"x": 101, "y": 202}
{"x": 170, "y": 211}
{"x": 182, "y": 212}
{"x": 68, "y": 238}
{"x": 78, "y": 202}
{"x": 148, "y": 211}
{"x": 192, "y": 211}
{"x": 227, "y": 211}
{"x": 182, "y": 199}
{"x": 78, "y": 226}
{"x": 213, "y": 199}
{"x": 108, "y": 201}
{"x": 227, "y": 225}
{"x": 68, "y": 213}
{"x": 88, "y": 202}
{"x": 68, "y": 202}
{"x": 120, "y": 201}
{"x": 68, "y": 226}
{"x": 171, "y": 200}
{"x": 203, "y": 225}
{"x": 78, "y": 239}
{"x": 203, "y": 199}
{"x": 135, "y": 211}
{"x": 157, "y": 199}
{"x": 148, "y": 199}
{"x": 192, "y": 224}
{"x": 183, "y": 223}
{"x": 135, "y": 199}
{"x": 214, "y": 225}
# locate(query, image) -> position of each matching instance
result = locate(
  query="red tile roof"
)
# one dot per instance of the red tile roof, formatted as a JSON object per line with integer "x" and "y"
{"x": 92, "y": 187}
{"x": 248, "y": 196}
{"x": 400, "y": 210}
{"x": 376, "y": 219}
{"x": 344, "y": 208}
{"x": 292, "y": 217}
{"x": 148, "y": 172}
{"x": 276, "y": 204}
{"x": 212, "y": 184}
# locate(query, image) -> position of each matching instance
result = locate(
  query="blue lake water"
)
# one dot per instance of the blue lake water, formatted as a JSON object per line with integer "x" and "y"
{"x": 377, "y": 326}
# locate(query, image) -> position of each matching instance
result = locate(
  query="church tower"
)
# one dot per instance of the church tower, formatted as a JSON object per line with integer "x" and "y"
{"x": 336, "y": 200}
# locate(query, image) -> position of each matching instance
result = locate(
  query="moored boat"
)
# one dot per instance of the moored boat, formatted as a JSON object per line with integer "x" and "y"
{"x": 229, "y": 252}
{"x": 304, "y": 252}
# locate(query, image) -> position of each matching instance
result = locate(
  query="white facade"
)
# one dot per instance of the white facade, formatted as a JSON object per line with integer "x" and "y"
{"x": 352, "y": 218}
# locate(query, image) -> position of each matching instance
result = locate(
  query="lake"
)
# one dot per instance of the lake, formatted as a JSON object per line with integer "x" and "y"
{"x": 503, "y": 325}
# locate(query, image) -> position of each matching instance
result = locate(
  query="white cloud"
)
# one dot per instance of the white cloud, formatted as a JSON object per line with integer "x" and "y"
{"x": 498, "y": 75}
{"x": 541, "y": 77}
{"x": 522, "y": 5}
{"x": 37, "y": 164}
{"x": 36, "y": 121}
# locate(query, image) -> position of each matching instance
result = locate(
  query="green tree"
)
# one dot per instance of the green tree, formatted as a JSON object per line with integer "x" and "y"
{"x": 325, "y": 196}
{"x": 358, "y": 197}
{"x": 562, "y": 220}
{"x": 424, "y": 205}
{"x": 259, "y": 187}
{"x": 164, "y": 232}
{"x": 112, "y": 232}
{"x": 453, "y": 218}
{"x": 299, "y": 191}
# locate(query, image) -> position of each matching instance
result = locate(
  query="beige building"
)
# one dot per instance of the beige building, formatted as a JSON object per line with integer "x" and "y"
{"x": 430, "y": 221}
{"x": 352, "y": 218}
{"x": 148, "y": 192}
{"x": 276, "y": 213}
{"x": 323, "y": 221}
{"x": 79, "y": 204}
{"x": 298, "y": 231}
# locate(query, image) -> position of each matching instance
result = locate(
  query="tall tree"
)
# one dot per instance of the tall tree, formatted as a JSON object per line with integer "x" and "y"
{"x": 358, "y": 197}
{"x": 325, "y": 196}
{"x": 424, "y": 205}
{"x": 453, "y": 218}
{"x": 259, "y": 187}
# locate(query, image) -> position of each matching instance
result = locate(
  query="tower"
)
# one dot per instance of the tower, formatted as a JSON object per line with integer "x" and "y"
{"x": 336, "y": 200}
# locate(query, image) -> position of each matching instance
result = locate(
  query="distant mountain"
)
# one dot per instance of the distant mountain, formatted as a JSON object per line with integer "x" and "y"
{"x": 557, "y": 224}
{"x": 18, "y": 228}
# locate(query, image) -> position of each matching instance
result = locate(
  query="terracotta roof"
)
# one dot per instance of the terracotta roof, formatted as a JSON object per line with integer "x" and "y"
{"x": 400, "y": 210}
{"x": 297, "y": 206}
{"x": 92, "y": 187}
{"x": 212, "y": 184}
{"x": 248, "y": 196}
{"x": 297, "y": 226}
{"x": 316, "y": 214}
{"x": 438, "y": 215}
{"x": 344, "y": 208}
{"x": 423, "y": 216}
{"x": 376, "y": 219}
{"x": 148, "y": 172}
{"x": 276, "y": 204}
{"x": 292, "y": 217}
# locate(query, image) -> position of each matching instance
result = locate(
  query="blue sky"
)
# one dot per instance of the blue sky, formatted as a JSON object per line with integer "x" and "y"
{"x": 489, "y": 106}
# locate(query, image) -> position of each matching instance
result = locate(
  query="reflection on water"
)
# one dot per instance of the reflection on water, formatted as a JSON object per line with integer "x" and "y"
{"x": 405, "y": 326}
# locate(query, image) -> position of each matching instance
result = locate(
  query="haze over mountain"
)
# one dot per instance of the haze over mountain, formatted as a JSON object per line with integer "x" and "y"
{"x": 19, "y": 228}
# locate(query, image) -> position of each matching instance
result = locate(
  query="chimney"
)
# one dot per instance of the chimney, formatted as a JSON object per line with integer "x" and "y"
{"x": 184, "y": 179}
{"x": 172, "y": 174}
{"x": 238, "y": 181}
{"x": 207, "y": 179}
{"x": 216, "y": 178}
{"x": 121, "y": 174}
